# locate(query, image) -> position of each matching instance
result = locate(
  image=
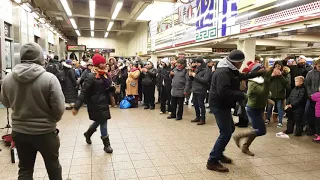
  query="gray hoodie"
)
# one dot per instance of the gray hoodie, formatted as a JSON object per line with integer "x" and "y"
{"x": 35, "y": 97}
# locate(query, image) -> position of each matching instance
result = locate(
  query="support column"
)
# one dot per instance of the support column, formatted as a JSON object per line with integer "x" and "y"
{"x": 154, "y": 59}
{"x": 248, "y": 47}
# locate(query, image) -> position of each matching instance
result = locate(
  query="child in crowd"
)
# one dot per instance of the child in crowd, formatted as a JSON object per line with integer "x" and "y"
{"x": 295, "y": 107}
{"x": 179, "y": 77}
{"x": 316, "y": 97}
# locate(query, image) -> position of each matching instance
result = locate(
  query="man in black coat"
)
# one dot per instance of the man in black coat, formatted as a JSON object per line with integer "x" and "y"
{"x": 224, "y": 93}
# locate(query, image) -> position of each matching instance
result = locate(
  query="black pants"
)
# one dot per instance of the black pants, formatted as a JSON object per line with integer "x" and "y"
{"x": 198, "y": 103}
{"x": 28, "y": 146}
{"x": 177, "y": 102}
{"x": 310, "y": 115}
{"x": 148, "y": 95}
{"x": 165, "y": 100}
{"x": 295, "y": 120}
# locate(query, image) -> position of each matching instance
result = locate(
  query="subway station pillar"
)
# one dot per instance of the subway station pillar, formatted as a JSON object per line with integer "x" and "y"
{"x": 248, "y": 47}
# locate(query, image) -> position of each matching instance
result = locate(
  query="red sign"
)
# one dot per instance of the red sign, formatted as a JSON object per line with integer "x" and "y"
{"x": 76, "y": 48}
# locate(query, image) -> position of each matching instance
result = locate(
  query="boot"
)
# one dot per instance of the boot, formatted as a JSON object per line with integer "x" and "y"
{"x": 196, "y": 120}
{"x": 88, "y": 135}
{"x": 201, "y": 122}
{"x": 238, "y": 137}
{"x": 216, "y": 166}
{"x": 245, "y": 147}
{"x": 106, "y": 142}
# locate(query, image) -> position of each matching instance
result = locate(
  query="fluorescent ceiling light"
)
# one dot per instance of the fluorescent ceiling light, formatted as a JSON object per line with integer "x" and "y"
{"x": 274, "y": 32}
{"x": 47, "y": 25}
{"x": 17, "y": 1}
{"x": 110, "y": 25}
{"x": 106, "y": 34}
{"x": 295, "y": 28}
{"x": 256, "y": 35}
{"x": 73, "y": 23}
{"x": 117, "y": 10}
{"x": 284, "y": 3}
{"x": 42, "y": 20}
{"x": 66, "y": 7}
{"x": 92, "y": 24}
{"x": 92, "y": 33}
{"x": 92, "y": 6}
{"x": 35, "y": 15}
{"x": 78, "y": 32}
{"x": 26, "y": 7}
{"x": 313, "y": 25}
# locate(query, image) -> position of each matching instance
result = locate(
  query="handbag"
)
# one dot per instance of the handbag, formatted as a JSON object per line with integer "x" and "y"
{"x": 125, "y": 104}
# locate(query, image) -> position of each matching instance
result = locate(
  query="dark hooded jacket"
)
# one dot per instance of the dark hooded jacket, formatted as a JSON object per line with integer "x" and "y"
{"x": 163, "y": 78}
{"x": 225, "y": 86}
{"x": 69, "y": 85}
{"x": 199, "y": 83}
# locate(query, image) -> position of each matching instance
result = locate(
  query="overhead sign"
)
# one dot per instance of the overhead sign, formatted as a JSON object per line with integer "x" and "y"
{"x": 222, "y": 50}
{"x": 76, "y": 47}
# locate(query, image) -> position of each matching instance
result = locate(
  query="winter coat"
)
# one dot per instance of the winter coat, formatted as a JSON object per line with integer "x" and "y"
{"x": 280, "y": 84}
{"x": 179, "y": 82}
{"x": 258, "y": 91}
{"x": 297, "y": 70}
{"x": 164, "y": 79}
{"x": 69, "y": 85}
{"x": 225, "y": 86}
{"x": 298, "y": 99}
{"x": 95, "y": 92}
{"x": 123, "y": 75}
{"x": 133, "y": 79}
{"x": 312, "y": 82}
{"x": 149, "y": 77}
{"x": 84, "y": 75}
{"x": 316, "y": 98}
{"x": 198, "y": 84}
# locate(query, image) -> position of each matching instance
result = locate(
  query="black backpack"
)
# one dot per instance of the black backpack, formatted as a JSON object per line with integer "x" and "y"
{"x": 62, "y": 75}
{"x": 52, "y": 68}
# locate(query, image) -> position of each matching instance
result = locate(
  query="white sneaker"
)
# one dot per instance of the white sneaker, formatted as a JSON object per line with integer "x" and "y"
{"x": 279, "y": 125}
{"x": 267, "y": 121}
{"x": 162, "y": 112}
{"x": 169, "y": 113}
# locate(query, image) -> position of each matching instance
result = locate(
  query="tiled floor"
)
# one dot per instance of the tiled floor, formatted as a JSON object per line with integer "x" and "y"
{"x": 148, "y": 146}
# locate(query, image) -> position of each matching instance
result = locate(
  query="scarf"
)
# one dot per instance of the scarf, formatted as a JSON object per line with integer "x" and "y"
{"x": 103, "y": 74}
{"x": 134, "y": 69}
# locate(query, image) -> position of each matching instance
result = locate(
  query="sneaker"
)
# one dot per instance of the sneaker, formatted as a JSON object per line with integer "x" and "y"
{"x": 279, "y": 125}
{"x": 162, "y": 112}
{"x": 152, "y": 107}
{"x": 170, "y": 117}
{"x": 146, "y": 107}
{"x": 267, "y": 121}
{"x": 169, "y": 113}
{"x": 178, "y": 118}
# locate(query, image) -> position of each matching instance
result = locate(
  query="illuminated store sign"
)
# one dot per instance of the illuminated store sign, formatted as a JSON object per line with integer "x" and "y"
{"x": 76, "y": 47}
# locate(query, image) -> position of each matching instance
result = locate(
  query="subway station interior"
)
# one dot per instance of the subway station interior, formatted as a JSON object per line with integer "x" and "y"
{"x": 147, "y": 140}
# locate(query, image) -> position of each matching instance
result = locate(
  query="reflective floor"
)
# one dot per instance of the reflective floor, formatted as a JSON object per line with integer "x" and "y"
{"x": 148, "y": 146}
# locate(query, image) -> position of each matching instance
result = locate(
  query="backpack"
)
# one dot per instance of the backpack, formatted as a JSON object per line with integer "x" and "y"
{"x": 52, "y": 68}
{"x": 61, "y": 76}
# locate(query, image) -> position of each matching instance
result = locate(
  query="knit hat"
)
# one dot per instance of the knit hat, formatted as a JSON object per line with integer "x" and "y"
{"x": 69, "y": 62}
{"x": 209, "y": 61}
{"x": 166, "y": 61}
{"x": 303, "y": 57}
{"x": 236, "y": 56}
{"x": 98, "y": 59}
{"x": 245, "y": 70}
{"x": 199, "y": 59}
{"x": 252, "y": 67}
{"x": 32, "y": 53}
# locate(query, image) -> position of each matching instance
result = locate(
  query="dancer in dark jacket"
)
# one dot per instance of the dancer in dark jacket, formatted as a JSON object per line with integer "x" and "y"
{"x": 96, "y": 91}
{"x": 68, "y": 82}
{"x": 224, "y": 93}
{"x": 164, "y": 82}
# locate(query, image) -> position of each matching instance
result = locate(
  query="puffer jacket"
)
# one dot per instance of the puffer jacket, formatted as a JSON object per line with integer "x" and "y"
{"x": 312, "y": 82}
{"x": 149, "y": 77}
{"x": 69, "y": 86}
{"x": 179, "y": 82}
{"x": 297, "y": 99}
{"x": 95, "y": 91}
{"x": 316, "y": 98}
{"x": 280, "y": 84}
{"x": 163, "y": 78}
{"x": 199, "y": 83}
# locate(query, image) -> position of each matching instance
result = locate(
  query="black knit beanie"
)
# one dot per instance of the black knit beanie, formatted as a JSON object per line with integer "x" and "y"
{"x": 236, "y": 56}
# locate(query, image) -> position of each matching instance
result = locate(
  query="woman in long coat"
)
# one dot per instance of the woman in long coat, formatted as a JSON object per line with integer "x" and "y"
{"x": 68, "y": 84}
{"x": 96, "y": 92}
{"x": 132, "y": 81}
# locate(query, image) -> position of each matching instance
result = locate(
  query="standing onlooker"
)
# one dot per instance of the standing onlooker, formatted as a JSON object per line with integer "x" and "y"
{"x": 86, "y": 72}
{"x": 224, "y": 93}
{"x": 37, "y": 104}
{"x": 179, "y": 89}
{"x": 132, "y": 81}
{"x": 95, "y": 91}
{"x": 53, "y": 66}
{"x": 123, "y": 75}
{"x": 68, "y": 82}
{"x": 316, "y": 98}
{"x": 278, "y": 87}
{"x": 295, "y": 107}
{"x": 312, "y": 84}
{"x": 198, "y": 84}
{"x": 164, "y": 81}
{"x": 148, "y": 82}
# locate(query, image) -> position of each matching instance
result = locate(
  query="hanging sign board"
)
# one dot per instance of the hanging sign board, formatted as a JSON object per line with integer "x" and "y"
{"x": 76, "y": 48}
